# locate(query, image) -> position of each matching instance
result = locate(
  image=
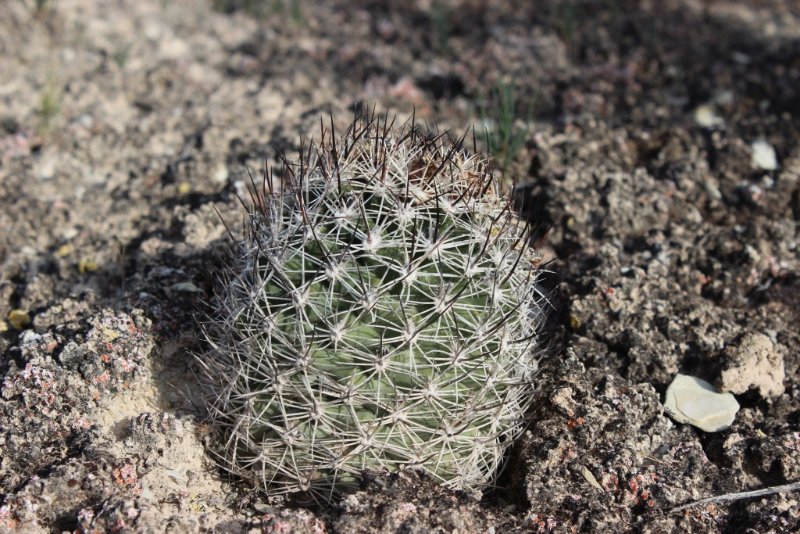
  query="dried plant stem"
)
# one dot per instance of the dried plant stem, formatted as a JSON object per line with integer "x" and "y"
{"x": 728, "y": 497}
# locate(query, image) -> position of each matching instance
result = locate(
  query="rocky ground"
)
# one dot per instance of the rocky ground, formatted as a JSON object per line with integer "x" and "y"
{"x": 658, "y": 140}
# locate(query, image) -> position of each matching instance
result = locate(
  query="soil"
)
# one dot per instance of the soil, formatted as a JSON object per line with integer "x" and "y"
{"x": 628, "y": 128}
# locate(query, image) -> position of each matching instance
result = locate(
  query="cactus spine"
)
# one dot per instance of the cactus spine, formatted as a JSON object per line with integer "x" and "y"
{"x": 381, "y": 312}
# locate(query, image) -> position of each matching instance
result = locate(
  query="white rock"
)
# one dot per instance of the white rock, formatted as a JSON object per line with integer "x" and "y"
{"x": 696, "y": 402}
{"x": 763, "y": 156}
{"x": 220, "y": 173}
{"x": 706, "y": 116}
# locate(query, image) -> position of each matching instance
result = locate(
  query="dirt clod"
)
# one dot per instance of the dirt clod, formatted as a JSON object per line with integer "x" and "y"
{"x": 753, "y": 363}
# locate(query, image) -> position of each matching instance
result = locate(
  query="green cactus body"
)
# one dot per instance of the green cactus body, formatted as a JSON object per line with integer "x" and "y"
{"x": 381, "y": 313}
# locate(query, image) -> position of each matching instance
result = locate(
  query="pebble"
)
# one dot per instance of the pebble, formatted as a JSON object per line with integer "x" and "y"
{"x": 694, "y": 401}
{"x": 19, "y": 319}
{"x": 185, "y": 287}
{"x": 706, "y": 116}
{"x": 87, "y": 265}
{"x": 763, "y": 155}
{"x": 220, "y": 173}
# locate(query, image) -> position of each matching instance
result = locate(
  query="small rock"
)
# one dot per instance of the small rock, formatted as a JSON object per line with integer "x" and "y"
{"x": 87, "y": 265}
{"x": 694, "y": 401}
{"x": 763, "y": 156}
{"x": 706, "y": 116}
{"x": 19, "y": 319}
{"x": 185, "y": 287}
{"x": 753, "y": 363}
{"x": 712, "y": 189}
{"x": 220, "y": 173}
{"x": 64, "y": 250}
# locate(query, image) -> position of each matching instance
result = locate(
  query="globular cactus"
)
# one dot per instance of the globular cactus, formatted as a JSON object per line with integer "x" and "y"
{"x": 381, "y": 313}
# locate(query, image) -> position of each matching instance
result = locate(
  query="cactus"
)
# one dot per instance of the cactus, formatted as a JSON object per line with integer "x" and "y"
{"x": 382, "y": 312}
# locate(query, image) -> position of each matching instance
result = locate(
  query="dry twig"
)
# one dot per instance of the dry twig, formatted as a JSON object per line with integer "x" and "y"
{"x": 741, "y": 495}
